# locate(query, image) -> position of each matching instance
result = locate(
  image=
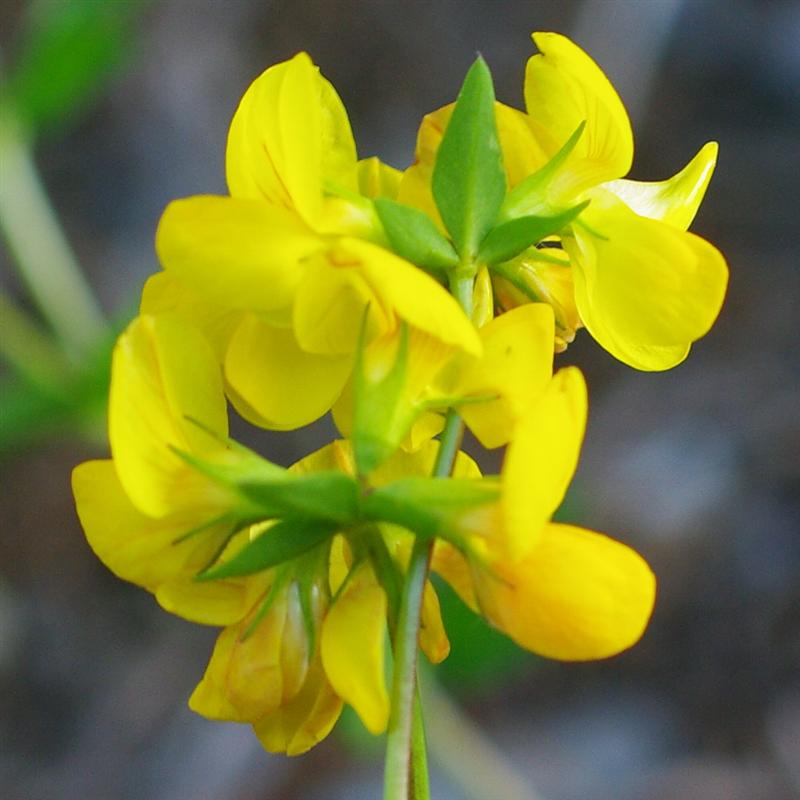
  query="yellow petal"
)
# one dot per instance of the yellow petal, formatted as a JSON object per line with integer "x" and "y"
{"x": 163, "y": 375}
{"x": 415, "y": 183}
{"x": 433, "y": 639}
{"x": 273, "y": 383}
{"x": 413, "y": 295}
{"x": 297, "y": 726}
{"x": 353, "y": 644}
{"x": 541, "y": 460}
{"x": 150, "y": 552}
{"x": 425, "y": 427}
{"x": 523, "y": 154}
{"x": 337, "y": 455}
{"x": 133, "y": 546}
{"x": 235, "y": 252}
{"x": 644, "y": 289}
{"x": 165, "y": 293}
{"x": 289, "y": 135}
{"x": 420, "y": 463}
{"x": 376, "y": 179}
{"x": 331, "y": 304}
{"x": 256, "y": 669}
{"x": 482, "y": 299}
{"x": 516, "y": 366}
{"x": 455, "y": 569}
{"x": 577, "y": 596}
{"x": 564, "y": 87}
{"x": 675, "y": 200}
{"x": 221, "y": 602}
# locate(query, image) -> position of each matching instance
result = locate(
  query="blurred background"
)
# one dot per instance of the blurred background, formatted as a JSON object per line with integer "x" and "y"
{"x": 110, "y": 109}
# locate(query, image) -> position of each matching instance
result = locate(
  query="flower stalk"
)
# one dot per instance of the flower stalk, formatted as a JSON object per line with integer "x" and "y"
{"x": 405, "y": 741}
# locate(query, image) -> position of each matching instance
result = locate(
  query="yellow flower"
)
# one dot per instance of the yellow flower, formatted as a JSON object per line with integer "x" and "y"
{"x": 281, "y": 273}
{"x": 558, "y": 590}
{"x": 644, "y": 287}
{"x": 315, "y": 636}
{"x": 491, "y": 391}
{"x": 149, "y": 516}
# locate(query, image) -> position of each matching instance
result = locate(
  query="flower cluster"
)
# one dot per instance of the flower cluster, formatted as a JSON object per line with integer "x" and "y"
{"x": 406, "y": 304}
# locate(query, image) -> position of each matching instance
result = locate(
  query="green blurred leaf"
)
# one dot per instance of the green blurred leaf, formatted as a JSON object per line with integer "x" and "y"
{"x": 31, "y": 413}
{"x": 414, "y": 235}
{"x": 510, "y": 238}
{"x": 70, "y": 48}
{"x": 282, "y": 542}
{"x": 469, "y": 182}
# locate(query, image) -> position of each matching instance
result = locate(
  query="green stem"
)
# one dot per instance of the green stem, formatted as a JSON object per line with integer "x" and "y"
{"x": 398, "y": 741}
{"x": 419, "y": 757}
{"x": 36, "y": 240}
{"x": 399, "y": 769}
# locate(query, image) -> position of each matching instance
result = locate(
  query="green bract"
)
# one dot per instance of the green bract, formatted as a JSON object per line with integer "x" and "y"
{"x": 414, "y": 236}
{"x": 510, "y": 238}
{"x": 469, "y": 182}
{"x": 284, "y": 541}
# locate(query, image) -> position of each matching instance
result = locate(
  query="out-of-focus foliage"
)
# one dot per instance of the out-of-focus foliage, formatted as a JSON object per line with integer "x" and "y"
{"x": 68, "y": 50}
{"x": 31, "y": 413}
{"x": 65, "y": 55}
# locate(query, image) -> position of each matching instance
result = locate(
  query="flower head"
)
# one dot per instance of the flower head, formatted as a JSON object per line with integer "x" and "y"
{"x": 643, "y": 286}
{"x": 293, "y": 258}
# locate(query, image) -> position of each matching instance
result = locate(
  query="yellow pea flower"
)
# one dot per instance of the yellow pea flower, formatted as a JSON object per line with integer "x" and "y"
{"x": 149, "y": 516}
{"x": 643, "y": 286}
{"x": 491, "y": 391}
{"x": 267, "y": 669}
{"x": 293, "y": 257}
{"x": 289, "y": 664}
{"x": 560, "y": 591}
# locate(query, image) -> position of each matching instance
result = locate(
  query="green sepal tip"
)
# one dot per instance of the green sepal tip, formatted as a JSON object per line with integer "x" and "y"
{"x": 469, "y": 181}
{"x": 285, "y": 540}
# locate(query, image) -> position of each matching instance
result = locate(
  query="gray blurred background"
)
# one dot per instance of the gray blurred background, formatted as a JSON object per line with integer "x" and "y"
{"x": 698, "y": 468}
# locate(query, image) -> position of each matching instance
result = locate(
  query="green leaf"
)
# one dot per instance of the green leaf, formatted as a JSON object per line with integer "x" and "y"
{"x": 331, "y": 496}
{"x": 272, "y": 491}
{"x": 414, "y": 235}
{"x": 70, "y": 49}
{"x": 469, "y": 182}
{"x": 287, "y": 539}
{"x": 428, "y": 506}
{"x": 510, "y": 238}
{"x": 530, "y": 196}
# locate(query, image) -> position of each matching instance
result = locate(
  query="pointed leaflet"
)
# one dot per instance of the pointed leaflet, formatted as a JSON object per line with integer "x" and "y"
{"x": 273, "y": 491}
{"x": 510, "y": 238}
{"x": 414, "y": 236}
{"x": 469, "y": 181}
{"x": 428, "y": 506}
{"x": 532, "y": 195}
{"x": 287, "y": 539}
